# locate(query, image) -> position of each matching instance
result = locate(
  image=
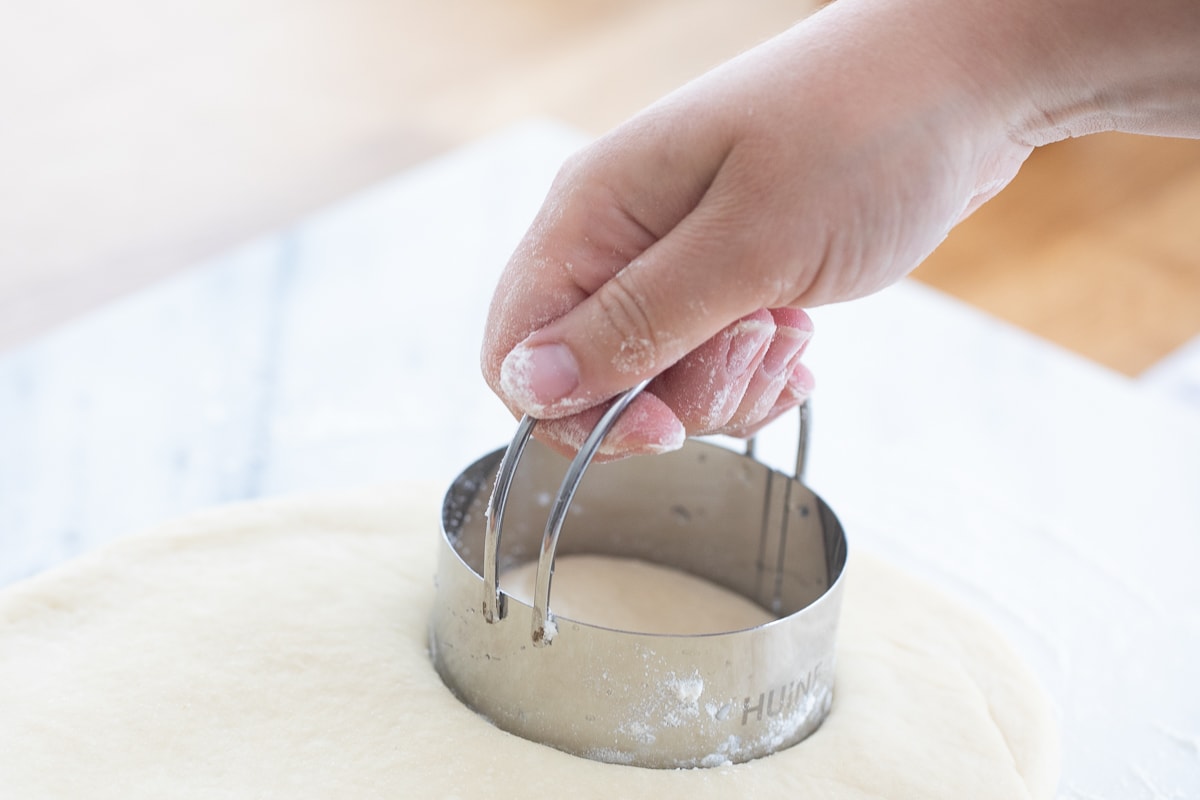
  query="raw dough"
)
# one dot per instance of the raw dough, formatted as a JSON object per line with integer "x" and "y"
{"x": 278, "y": 650}
{"x": 630, "y": 595}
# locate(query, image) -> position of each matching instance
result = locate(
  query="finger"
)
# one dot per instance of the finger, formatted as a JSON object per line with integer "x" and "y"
{"x": 793, "y": 330}
{"x": 796, "y": 390}
{"x": 705, "y": 274}
{"x": 646, "y": 427}
{"x": 608, "y": 204}
{"x": 720, "y": 368}
{"x": 706, "y": 386}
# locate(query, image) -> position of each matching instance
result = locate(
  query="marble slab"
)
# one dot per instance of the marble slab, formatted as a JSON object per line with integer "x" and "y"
{"x": 1059, "y": 499}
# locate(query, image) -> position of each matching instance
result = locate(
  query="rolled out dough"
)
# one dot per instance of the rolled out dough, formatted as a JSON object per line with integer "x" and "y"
{"x": 279, "y": 650}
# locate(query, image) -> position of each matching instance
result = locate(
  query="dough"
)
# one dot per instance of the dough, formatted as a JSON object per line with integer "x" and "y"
{"x": 630, "y": 595}
{"x": 278, "y": 650}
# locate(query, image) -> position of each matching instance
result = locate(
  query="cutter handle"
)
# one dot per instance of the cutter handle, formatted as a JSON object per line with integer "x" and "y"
{"x": 493, "y": 606}
{"x": 543, "y": 622}
{"x": 801, "y": 442}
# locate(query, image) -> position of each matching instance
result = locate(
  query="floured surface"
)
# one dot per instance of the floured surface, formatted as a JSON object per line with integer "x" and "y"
{"x": 279, "y": 649}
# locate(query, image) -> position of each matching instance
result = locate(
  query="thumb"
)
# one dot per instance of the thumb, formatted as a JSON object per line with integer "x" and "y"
{"x": 702, "y": 276}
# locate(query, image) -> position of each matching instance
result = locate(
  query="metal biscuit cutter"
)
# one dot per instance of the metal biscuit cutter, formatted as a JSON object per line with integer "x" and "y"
{"x": 625, "y": 697}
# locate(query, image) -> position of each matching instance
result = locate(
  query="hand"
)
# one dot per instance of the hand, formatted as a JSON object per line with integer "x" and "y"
{"x": 816, "y": 168}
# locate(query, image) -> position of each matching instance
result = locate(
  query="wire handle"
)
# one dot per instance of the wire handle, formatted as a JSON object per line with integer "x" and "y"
{"x": 494, "y": 606}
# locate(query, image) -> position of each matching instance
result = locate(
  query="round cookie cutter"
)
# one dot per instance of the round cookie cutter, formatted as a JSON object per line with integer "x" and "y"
{"x": 650, "y": 700}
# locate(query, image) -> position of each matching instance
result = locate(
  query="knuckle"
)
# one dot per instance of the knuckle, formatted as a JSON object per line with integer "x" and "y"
{"x": 638, "y": 348}
{"x": 577, "y": 170}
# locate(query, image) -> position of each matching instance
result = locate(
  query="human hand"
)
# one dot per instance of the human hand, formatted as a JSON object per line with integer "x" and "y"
{"x": 816, "y": 168}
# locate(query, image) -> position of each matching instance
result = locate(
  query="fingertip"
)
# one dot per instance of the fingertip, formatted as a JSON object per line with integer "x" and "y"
{"x": 706, "y": 387}
{"x": 797, "y": 318}
{"x": 786, "y": 347}
{"x": 784, "y": 403}
{"x": 796, "y": 388}
{"x": 647, "y": 427}
{"x": 747, "y": 340}
{"x": 800, "y": 383}
{"x": 540, "y": 378}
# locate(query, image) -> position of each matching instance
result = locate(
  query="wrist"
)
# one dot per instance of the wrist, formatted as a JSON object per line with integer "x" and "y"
{"x": 1073, "y": 67}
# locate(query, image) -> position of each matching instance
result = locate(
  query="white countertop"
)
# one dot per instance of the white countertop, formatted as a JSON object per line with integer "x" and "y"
{"x": 1059, "y": 499}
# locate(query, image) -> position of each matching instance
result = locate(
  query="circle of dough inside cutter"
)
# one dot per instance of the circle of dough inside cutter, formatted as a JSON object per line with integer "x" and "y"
{"x": 627, "y": 594}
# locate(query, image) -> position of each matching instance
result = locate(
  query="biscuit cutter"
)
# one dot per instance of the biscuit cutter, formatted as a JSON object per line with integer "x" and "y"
{"x": 650, "y": 700}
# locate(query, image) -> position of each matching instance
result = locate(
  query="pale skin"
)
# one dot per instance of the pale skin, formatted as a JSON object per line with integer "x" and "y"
{"x": 819, "y": 167}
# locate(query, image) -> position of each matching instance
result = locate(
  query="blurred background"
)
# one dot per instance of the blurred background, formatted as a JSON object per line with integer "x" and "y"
{"x": 137, "y": 138}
